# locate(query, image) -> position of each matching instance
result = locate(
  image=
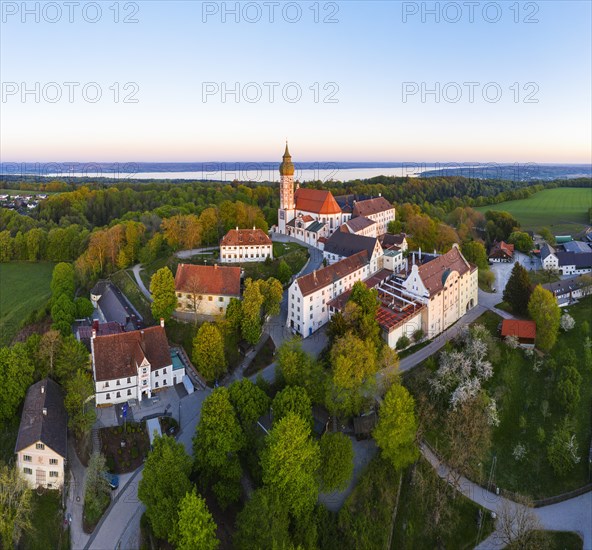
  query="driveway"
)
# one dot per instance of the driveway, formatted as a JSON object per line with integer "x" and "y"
{"x": 121, "y": 523}
{"x": 136, "y": 271}
{"x": 75, "y": 498}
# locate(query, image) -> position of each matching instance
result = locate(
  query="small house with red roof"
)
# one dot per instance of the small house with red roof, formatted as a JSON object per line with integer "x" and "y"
{"x": 501, "y": 252}
{"x": 525, "y": 331}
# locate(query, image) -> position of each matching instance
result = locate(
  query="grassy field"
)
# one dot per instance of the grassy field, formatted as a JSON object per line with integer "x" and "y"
{"x": 24, "y": 287}
{"x": 562, "y": 210}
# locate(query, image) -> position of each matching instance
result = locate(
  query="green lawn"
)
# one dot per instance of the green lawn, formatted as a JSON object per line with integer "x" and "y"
{"x": 24, "y": 288}
{"x": 458, "y": 525}
{"x": 564, "y": 210}
{"x": 48, "y": 518}
{"x": 526, "y": 401}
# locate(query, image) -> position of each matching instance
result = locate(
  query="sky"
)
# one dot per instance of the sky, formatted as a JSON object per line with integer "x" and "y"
{"x": 342, "y": 81}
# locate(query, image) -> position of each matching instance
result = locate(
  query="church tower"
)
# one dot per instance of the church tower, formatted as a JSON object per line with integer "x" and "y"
{"x": 286, "y": 212}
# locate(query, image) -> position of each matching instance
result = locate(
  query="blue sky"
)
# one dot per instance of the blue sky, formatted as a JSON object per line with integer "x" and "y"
{"x": 364, "y": 58}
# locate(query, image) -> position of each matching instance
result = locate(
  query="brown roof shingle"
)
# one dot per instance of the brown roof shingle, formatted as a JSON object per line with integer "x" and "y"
{"x": 238, "y": 237}
{"x": 435, "y": 272}
{"x": 117, "y": 355}
{"x": 50, "y": 428}
{"x": 207, "y": 279}
{"x": 371, "y": 206}
{"x": 330, "y": 274}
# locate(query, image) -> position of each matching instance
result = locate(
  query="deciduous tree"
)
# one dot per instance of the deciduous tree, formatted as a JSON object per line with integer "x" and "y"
{"x": 284, "y": 272}
{"x": 290, "y": 463}
{"x": 49, "y": 346}
{"x": 397, "y": 427}
{"x": 208, "y": 352}
{"x": 545, "y": 312}
{"x": 196, "y": 527}
{"x": 62, "y": 281}
{"x": 292, "y": 399}
{"x": 249, "y": 401}
{"x": 337, "y": 461}
{"x": 251, "y": 312}
{"x": 81, "y": 413}
{"x": 162, "y": 288}
{"x": 297, "y": 368}
{"x": 272, "y": 292}
{"x": 15, "y": 506}
{"x": 16, "y": 375}
{"x": 164, "y": 483}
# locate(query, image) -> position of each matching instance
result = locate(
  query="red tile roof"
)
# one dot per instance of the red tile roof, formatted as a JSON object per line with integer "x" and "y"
{"x": 502, "y": 249}
{"x": 237, "y": 237}
{"x": 521, "y": 329}
{"x": 207, "y": 279}
{"x": 317, "y": 201}
{"x": 332, "y": 273}
{"x": 435, "y": 272}
{"x": 371, "y": 206}
{"x": 117, "y": 355}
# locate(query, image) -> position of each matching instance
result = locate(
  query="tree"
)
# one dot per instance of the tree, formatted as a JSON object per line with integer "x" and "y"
{"x": 208, "y": 352}
{"x": 337, "y": 461}
{"x": 290, "y": 462}
{"x": 162, "y": 288}
{"x": 62, "y": 281}
{"x": 292, "y": 399}
{"x": 475, "y": 252}
{"x": 251, "y": 312}
{"x": 196, "y": 527}
{"x": 297, "y": 368}
{"x": 518, "y": 525}
{"x": 263, "y": 523}
{"x": 16, "y": 375}
{"x": 216, "y": 444}
{"x": 81, "y": 416}
{"x": 545, "y": 312}
{"x": 272, "y": 292}
{"x": 249, "y": 401}
{"x": 284, "y": 273}
{"x": 15, "y": 506}
{"x": 63, "y": 313}
{"x": 164, "y": 483}
{"x": 353, "y": 369}
{"x": 360, "y": 313}
{"x": 546, "y": 234}
{"x": 518, "y": 290}
{"x": 567, "y": 322}
{"x": 96, "y": 487}
{"x": 397, "y": 427}
{"x": 403, "y": 342}
{"x": 49, "y": 346}
{"x": 72, "y": 356}
{"x": 562, "y": 452}
{"x": 521, "y": 240}
{"x": 84, "y": 307}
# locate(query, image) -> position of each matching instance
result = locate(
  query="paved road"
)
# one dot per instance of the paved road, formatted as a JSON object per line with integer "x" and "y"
{"x": 75, "y": 498}
{"x": 121, "y": 521}
{"x": 570, "y": 515}
{"x": 136, "y": 270}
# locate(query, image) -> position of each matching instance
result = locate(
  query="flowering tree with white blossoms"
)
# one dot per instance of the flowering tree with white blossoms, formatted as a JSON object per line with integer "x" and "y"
{"x": 567, "y": 322}
{"x": 461, "y": 373}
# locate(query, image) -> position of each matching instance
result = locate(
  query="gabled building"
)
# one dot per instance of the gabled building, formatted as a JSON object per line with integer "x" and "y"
{"x": 42, "y": 441}
{"x": 113, "y": 307}
{"x": 309, "y": 295}
{"x": 132, "y": 365}
{"x": 571, "y": 258}
{"x": 568, "y": 291}
{"x": 524, "y": 331}
{"x": 245, "y": 245}
{"x": 399, "y": 241}
{"x": 341, "y": 245}
{"x": 361, "y": 226}
{"x": 378, "y": 210}
{"x": 206, "y": 289}
{"x": 501, "y": 252}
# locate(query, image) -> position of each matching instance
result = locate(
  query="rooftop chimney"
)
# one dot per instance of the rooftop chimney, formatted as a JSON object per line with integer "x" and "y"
{"x": 237, "y": 227}
{"x": 44, "y": 411}
{"x": 95, "y": 324}
{"x": 162, "y": 322}
{"x": 42, "y": 389}
{"x": 93, "y": 334}
{"x": 253, "y": 228}
{"x": 215, "y": 266}
{"x": 420, "y": 253}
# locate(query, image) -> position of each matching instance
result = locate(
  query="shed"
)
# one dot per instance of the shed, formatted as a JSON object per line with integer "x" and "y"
{"x": 525, "y": 331}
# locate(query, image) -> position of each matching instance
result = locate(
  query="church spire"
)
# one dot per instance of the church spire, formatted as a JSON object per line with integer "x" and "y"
{"x": 286, "y": 167}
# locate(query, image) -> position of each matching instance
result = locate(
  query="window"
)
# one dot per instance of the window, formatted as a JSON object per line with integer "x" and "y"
{"x": 156, "y": 385}
{"x": 144, "y": 382}
{"x": 118, "y": 383}
{"x": 210, "y": 298}
{"x": 28, "y": 471}
{"x": 40, "y": 446}
{"x": 53, "y": 474}
{"x": 108, "y": 396}
{"x": 118, "y": 395}
{"x": 27, "y": 458}
{"x": 129, "y": 380}
{"x": 311, "y": 315}
{"x": 221, "y": 299}
{"x": 163, "y": 371}
{"x": 164, "y": 382}
{"x": 157, "y": 374}
{"x": 106, "y": 385}
{"x": 179, "y": 295}
{"x": 144, "y": 370}
{"x": 53, "y": 461}
{"x": 129, "y": 392}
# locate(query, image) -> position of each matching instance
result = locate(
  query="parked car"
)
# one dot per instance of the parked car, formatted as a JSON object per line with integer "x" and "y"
{"x": 112, "y": 479}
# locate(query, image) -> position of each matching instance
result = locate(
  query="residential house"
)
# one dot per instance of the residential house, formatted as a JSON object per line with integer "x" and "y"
{"x": 378, "y": 210}
{"x": 571, "y": 258}
{"x": 206, "y": 289}
{"x": 133, "y": 365}
{"x": 245, "y": 245}
{"x": 112, "y": 306}
{"x": 341, "y": 245}
{"x": 360, "y": 226}
{"x": 399, "y": 240}
{"x": 501, "y": 252}
{"x": 568, "y": 291}
{"x": 42, "y": 440}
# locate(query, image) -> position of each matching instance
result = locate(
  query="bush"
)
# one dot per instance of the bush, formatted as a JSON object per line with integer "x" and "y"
{"x": 403, "y": 342}
{"x": 418, "y": 335}
{"x": 135, "y": 453}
